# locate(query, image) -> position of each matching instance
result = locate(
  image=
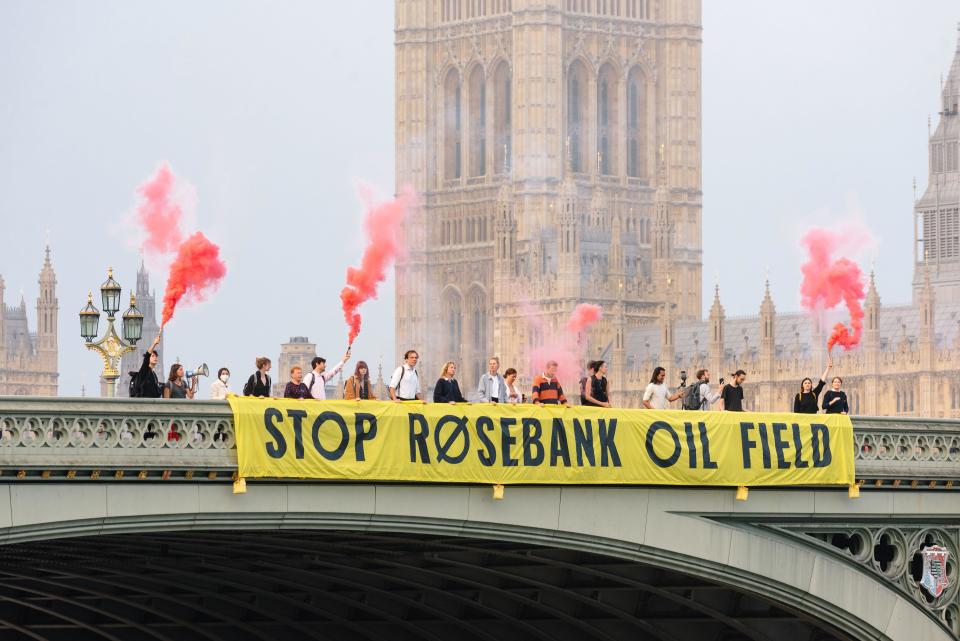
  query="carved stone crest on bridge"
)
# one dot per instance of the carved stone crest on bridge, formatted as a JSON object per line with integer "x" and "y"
{"x": 934, "y": 579}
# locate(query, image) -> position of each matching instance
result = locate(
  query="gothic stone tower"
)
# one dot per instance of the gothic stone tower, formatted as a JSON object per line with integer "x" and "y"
{"x": 937, "y": 213}
{"x": 555, "y": 145}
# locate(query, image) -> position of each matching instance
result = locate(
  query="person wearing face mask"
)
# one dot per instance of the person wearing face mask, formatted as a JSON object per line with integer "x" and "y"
{"x": 219, "y": 388}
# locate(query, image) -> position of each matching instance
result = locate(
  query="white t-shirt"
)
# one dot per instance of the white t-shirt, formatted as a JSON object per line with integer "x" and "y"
{"x": 317, "y": 383}
{"x": 406, "y": 382}
{"x": 656, "y": 395}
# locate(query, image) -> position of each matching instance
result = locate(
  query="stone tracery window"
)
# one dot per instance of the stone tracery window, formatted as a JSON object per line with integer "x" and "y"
{"x": 478, "y": 122}
{"x": 577, "y": 115}
{"x": 636, "y": 116}
{"x": 607, "y": 120}
{"x": 452, "y": 126}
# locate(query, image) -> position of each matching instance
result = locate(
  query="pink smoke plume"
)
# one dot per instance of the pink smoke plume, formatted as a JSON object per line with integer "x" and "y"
{"x": 828, "y": 281}
{"x": 566, "y": 347}
{"x": 382, "y": 225}
{"x": 195, "y": 272}
{"x": 584, "y": 315}
{"x": 159, "y": 214}
{"x": 196, "y": 268}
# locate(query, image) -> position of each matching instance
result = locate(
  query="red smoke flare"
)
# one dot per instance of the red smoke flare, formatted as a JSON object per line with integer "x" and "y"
{"x": 382, "y": 224}
{"x": 159, "y": 214}
{"x": 584, "y": 315}
{"x": 196, "y": 270}
{"x": 564, "y": 348}
{"x": 828, "y": 281}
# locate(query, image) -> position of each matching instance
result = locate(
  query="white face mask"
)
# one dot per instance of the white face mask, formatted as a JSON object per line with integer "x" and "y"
{"x": 224, "y": 378}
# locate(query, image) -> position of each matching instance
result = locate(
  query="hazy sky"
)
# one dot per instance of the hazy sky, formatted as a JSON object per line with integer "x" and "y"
{"x": 272, "y": 110}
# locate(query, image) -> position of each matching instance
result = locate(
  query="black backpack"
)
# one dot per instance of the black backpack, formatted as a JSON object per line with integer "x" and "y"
{"x": 691, "y": 397}
{"x": 134, "y": 386}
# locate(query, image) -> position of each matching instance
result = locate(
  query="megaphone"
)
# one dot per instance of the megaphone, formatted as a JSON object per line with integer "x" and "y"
{"x": 201, "y": 370}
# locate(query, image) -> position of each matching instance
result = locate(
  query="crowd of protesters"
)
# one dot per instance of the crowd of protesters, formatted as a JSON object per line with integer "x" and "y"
{"x": 493, "y": 387}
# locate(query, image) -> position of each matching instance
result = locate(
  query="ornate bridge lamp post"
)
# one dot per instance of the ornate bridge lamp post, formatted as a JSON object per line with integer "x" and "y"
{"x": 111, "y": 347}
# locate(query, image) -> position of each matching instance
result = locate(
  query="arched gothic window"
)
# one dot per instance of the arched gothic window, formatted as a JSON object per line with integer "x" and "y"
{"x": 636, "y": 116}
{"x": 478, "y": 309}
{"x": 607, "y": 125}
{"x": 478, "y": 122}
{"x": 452, "y": 126}
{"x": 453, "y": 315}
{"x": 577, "y": 115}
{"x": 501, "y": 119}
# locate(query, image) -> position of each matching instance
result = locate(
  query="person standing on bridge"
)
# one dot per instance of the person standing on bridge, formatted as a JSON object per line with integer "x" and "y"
{"x": 595, "y": 389}
{"x": 357, "y": 387}
{"x": 835, "y": 400}
{"x": 546, "y": 387}
{"x": 492, "y": 388}
{"x": 657, "y": 396}
{"x": 405, "y": 382}
{"x": 147, "y": 384}
{"x": 175, "y": 387}
{"x": 219, "y": 388}
{"x": 316, "y": 380}
{"x": 447, "y": 390}
{"x": 259, "y": 382}
{"x": 732, "y": 394}
{"x": 805, "y": 402}
{"x": 514, "y": 395}
{"x": 295, "y": 388}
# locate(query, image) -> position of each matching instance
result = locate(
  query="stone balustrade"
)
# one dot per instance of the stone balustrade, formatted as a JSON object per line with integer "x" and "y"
{"x": 51, "y": 437}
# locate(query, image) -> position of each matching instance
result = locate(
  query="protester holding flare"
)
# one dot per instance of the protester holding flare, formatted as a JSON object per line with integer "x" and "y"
{"x": 805, "y": 402}
{"x": 147, "y": 384}
{"x": 316, "y": 381}
{"x": 447, "y": 390}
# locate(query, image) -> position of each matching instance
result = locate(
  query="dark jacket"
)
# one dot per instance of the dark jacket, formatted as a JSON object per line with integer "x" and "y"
{"x": 147, "y": 382}
{"x": 296, "y": 390}
{"x": 598, "y": 390}
{"x": 447, "y": 392}
{"x": 838, "y": 407}
{"x": 806, "y": 402}
{"x": 255, "y": 388}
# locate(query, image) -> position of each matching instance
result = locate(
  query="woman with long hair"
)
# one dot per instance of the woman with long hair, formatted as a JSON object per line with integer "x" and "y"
{"x": 357, "y": 386}
{"x": 835, "y": 400}
{"x": 447, "y": 390}
{"x": 805, "y": 402}
{"x": 176, "y": 388}
{"x": 259, "y": 382}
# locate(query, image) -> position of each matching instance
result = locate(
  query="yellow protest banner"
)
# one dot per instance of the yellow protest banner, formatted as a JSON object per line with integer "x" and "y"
{"x": 509, "y": 444}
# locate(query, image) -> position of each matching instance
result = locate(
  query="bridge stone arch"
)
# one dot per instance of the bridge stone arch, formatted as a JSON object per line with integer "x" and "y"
{"x": 676, "y": 534}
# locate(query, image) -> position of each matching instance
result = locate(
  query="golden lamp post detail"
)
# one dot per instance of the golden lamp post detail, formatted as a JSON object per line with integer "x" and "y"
{"x": 111, "y": 347}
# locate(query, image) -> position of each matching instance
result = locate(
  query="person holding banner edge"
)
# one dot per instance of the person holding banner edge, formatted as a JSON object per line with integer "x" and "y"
{"x": 405, "y": 382}
{"x": 546, "y": 387}
{"x": 447, "y": 390}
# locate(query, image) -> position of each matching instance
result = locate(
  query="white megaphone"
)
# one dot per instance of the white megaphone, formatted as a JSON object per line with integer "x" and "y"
{"x": 201, "y": 370}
